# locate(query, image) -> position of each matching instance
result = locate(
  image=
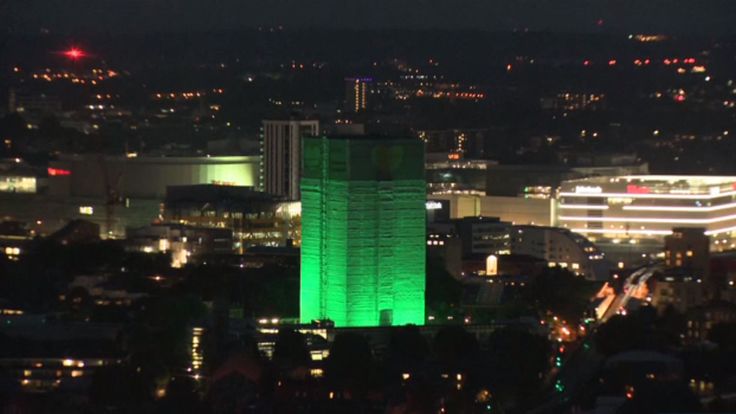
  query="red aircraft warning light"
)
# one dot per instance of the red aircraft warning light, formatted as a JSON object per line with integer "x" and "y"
{"x": 74, "y": 53}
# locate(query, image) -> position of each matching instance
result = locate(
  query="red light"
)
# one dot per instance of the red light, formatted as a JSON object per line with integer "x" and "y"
{"x": 74, "y": 53}
{"x": 667, "y": 62}
{"x": 586, "y": 63}
{"x": 675, "y": 60}
{"x": 647, "y": 61}
{"x": 680, "y": 98}
{"x": 57, "y": 172}
{"x": 637, "y": 189}
{"x": 612, "y": 62}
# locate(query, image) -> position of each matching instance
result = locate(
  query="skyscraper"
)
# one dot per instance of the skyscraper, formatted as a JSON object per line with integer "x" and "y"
{"x": 363, "y": 231}
{"x": 356, "y": 94}
{"x": 281, "y": 158}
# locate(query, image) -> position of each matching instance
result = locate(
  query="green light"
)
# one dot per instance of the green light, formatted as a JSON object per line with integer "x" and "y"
{"x": 363, "y": 231}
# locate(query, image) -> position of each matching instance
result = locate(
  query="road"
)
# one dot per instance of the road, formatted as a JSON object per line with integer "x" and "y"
{"x": 634, "y": 286}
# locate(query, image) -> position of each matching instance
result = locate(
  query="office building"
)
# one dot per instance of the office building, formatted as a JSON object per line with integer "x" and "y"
{"x": 281, "y": 155}
{"x": 483, "y": 235}
{"x": 363, "y": 231}
{"x": 356, "y": 94}
{"x": 466, "y": 242}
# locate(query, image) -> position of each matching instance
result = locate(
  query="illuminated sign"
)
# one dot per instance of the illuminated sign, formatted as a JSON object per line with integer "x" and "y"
{"x": 86, "y": 210}
{"x": 434, "y": 205}
{"x": 637, "y": 189}
{"x": 57, "y": 172}
{"x": 587, "y": 189}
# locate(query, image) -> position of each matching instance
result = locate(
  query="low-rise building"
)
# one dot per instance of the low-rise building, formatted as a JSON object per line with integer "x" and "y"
{"x": 255, "y": 218}
{"x": 563, "y": 248}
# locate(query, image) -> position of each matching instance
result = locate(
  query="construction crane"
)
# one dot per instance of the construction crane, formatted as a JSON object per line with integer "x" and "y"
{"x": 112, "y": 194}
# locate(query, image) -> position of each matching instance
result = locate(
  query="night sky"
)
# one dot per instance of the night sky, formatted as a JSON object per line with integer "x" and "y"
{"x": 136, "y": 16}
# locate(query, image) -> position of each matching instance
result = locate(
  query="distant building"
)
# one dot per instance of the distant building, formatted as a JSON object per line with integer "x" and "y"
{"x": 466, "y": 143}
{"x": 538, "y": 181}
{"x": 77, "y": 231}
{"x": 281, "y": 157}
{"x": 357, "y": 91}
{"x": 466, "y": 243}
{"x": 676, "y": 288}
{"x": 561, "y": 247}
{"x": 143, "y": 176}
{"x": 18, "y": 177}
{"x": 448, "y": 173}
{"x": 184, "y": 243}
{"x": 573, "y": 101}
{"x": 13, "y": 237}
{"x": 633, "y": 214}
{"x": 363, "y": 244}
{"x": 255, "y": 218}
{"x": 689, "y": 249}
{"x": 541, "y": 180}
{"x": 484, "y": 235}
{"x": 516, "y": 210}
{"x": 33, "y": 105}
{"x": 345, "y": 127}
{"x": 701, "y": 319}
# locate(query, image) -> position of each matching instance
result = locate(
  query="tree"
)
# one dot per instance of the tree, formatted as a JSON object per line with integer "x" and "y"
{"x": 119, "y": 386}
{"x": 561, "y": 292}
{"x": 291, "y": 350}
{"x": 407, "y": 349}
{"x": 350, "y": 364}
{"x": 443, "y": 292}
{"x": 455, "y": 347}
{"x": 724, "y": 335}
{"x": 642, "y": 329}
{"x": 661, "y": 397}
{"x": 515, "y": 360}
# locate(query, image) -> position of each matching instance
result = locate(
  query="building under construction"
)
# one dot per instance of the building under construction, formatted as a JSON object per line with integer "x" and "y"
{"x": 363, "y": 231}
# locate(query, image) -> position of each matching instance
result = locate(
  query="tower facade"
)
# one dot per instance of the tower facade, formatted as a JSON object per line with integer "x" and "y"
{"x": 281, "y": 155}
{"x": 363, "y": 231}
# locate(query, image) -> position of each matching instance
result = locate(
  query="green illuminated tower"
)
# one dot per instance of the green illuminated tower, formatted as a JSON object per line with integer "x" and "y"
{"x": 363, "y": 231}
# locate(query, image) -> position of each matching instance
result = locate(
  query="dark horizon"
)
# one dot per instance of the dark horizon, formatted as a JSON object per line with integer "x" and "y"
{"x": 575, "y": 16}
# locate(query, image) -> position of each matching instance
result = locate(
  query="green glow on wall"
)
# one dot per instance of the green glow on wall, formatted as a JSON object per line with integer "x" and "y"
{"x": 363, "y": 231}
